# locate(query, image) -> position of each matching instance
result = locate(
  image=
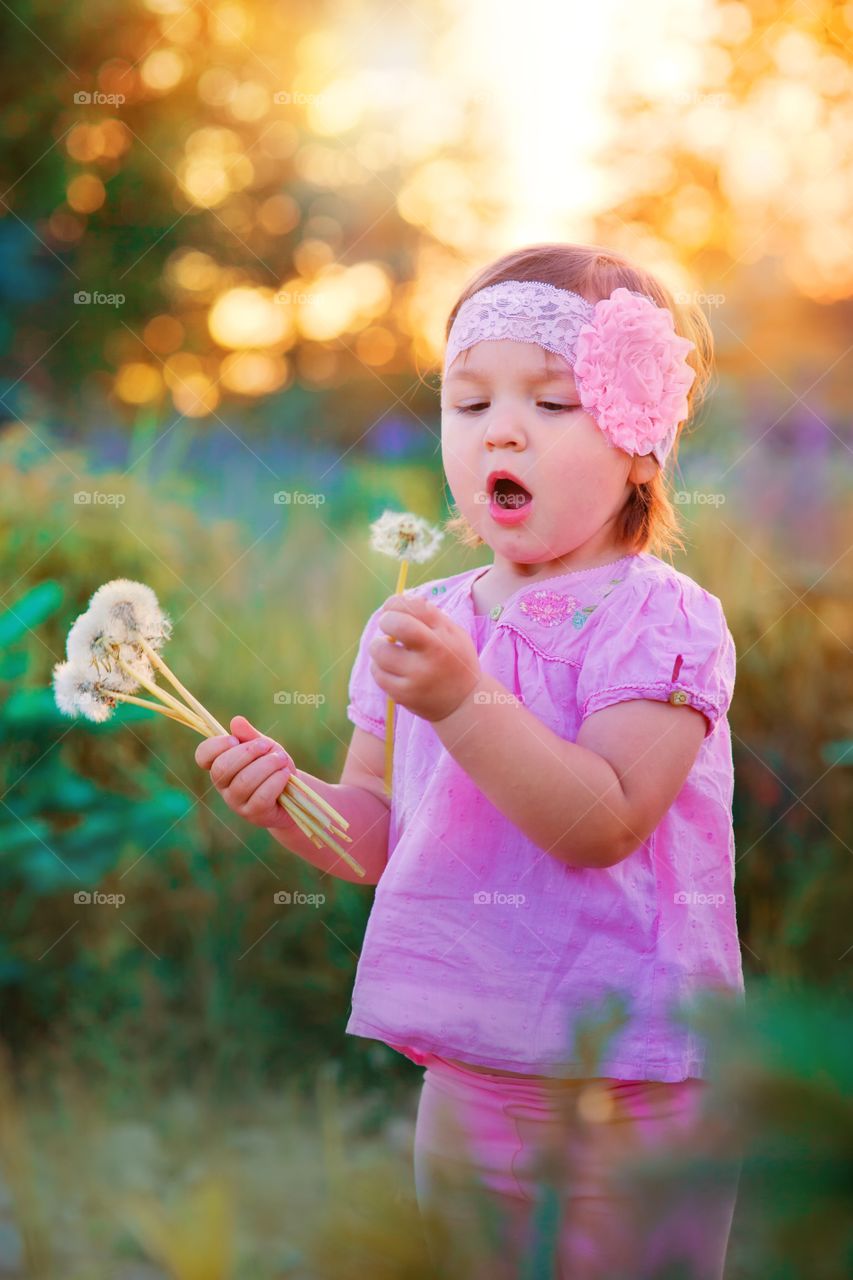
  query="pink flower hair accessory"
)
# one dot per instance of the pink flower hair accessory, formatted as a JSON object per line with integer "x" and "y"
{"x": 629, "y": 363}
{"x": 631, "y": 372}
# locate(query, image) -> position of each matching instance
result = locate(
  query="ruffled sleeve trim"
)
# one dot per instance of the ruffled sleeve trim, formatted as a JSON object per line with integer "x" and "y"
{"x": 666, "y": 639}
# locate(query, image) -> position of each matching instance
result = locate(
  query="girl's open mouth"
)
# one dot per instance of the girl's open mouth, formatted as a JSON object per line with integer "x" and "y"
{"x": 509, "y": 501}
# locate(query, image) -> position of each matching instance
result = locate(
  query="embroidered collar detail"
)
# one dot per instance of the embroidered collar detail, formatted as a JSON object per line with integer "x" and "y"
{"x": 551, "y": 608}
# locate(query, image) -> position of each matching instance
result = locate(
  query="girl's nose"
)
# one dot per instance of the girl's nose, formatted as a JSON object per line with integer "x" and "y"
{"x": 503, "y": 429}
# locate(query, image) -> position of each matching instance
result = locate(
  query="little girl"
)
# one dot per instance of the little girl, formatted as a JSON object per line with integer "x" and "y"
{"x": 559, "y": 834}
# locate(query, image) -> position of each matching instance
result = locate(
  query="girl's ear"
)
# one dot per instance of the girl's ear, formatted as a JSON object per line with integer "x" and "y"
{"x": 643, "y": 469}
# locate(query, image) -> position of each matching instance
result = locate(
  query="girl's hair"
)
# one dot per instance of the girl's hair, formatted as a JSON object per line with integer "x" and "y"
{"x": 648, "y": 520}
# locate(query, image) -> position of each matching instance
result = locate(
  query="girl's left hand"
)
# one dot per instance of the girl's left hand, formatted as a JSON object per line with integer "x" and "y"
{"x": 434, "y": 667}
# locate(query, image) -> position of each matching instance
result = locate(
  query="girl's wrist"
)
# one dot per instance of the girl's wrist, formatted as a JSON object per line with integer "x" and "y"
{"x": 480, "y": 691}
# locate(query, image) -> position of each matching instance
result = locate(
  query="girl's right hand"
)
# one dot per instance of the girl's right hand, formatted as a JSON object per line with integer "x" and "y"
{"x": 249, "y": 771}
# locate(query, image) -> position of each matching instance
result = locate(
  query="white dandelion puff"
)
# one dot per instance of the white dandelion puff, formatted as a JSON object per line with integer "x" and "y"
{"x": 405, "y": 536}
{"x": 112, "y": 648}
{"x": 77, "y": 693}
{"x": 88, "y": 641}
{"x": 130, "y": 612}
{"x": 91, "y": 645}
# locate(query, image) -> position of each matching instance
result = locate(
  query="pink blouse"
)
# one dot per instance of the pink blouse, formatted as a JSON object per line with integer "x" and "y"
{"x": 481, "y": 946}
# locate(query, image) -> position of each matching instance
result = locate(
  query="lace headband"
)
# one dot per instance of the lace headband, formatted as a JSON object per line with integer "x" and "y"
{"x": 629, "y": 363}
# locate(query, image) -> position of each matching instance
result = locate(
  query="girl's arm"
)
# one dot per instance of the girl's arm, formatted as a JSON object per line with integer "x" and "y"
{"x": 589, "y": 803}
{"x": 360, "y": 797}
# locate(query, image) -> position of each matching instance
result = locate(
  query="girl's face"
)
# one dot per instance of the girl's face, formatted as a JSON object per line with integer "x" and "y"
{"x": 513, "y": 406}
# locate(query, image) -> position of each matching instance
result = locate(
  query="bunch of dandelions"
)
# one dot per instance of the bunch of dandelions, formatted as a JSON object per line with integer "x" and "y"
{"x": 113, "y": 648}
{"x": 405, "y": 537}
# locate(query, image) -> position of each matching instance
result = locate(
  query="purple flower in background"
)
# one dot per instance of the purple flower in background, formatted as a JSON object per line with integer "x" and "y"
{"x": 395, "y": 438}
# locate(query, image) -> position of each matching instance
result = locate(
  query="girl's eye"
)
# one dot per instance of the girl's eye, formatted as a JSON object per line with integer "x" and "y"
{"x": 547, "y": 404}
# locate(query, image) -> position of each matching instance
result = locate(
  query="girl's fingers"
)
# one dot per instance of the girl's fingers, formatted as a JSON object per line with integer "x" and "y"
{"x": 227, "y": 765}
{"x": 266, "y": 796}
{"x": 389, "y": 657}
{"x": 245, "y": 783}
{"x": 409, "y": 630}
{"x": 208, "y": 750}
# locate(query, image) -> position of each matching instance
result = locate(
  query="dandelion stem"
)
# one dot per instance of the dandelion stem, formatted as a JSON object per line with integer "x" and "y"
{"x": 163, "y": 694}
{"x": 314, "y": 810}
{"x": 189, "y": 719}
{"x": 201, "y": 710}
{"x": 319, "y": 800}
{"x": 286, "y": 803}
{"x": 296, "y": 814}
{"x": 389, "y": 711}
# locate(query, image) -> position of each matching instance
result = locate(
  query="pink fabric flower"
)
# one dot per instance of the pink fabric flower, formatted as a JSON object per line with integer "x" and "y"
{"x": 631, "y": 371}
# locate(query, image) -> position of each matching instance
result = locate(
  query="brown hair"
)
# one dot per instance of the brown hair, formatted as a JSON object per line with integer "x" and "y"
{"x": 648, "y": 521}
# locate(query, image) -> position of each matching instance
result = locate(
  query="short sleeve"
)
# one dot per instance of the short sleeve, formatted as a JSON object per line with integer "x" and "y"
{"x": 367, "y": 701}
{"x": 664, "y": 639}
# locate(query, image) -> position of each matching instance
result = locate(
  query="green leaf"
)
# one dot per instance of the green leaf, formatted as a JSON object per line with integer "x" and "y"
{"x": 14, "y": 665}
{"x": 20, "y": 836}
{"x": 31, "y": 709}
{"x": 838, "y": 752}
{"x": 29, "y": 611}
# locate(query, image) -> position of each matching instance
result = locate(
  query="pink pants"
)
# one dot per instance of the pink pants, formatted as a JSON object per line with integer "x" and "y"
{"x": 518, "y": 1177}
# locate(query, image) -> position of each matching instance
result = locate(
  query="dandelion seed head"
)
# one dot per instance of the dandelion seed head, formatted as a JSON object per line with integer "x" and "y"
{"x": 405, "y": 536}
{"x": 115, "y": 678}
{"x": 77, "y": 693}
{"x": 87, "y": 641}
{"x": 129, "y": 611}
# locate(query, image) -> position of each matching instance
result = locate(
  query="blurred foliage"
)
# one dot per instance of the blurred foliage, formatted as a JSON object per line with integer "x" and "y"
{"x": 310, "y": 1183}
{"x": 183, "y": 224}
{"x": 219, "y": 208}
{"x": 746, "y": 160}
{"x": 199, "y": 951}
